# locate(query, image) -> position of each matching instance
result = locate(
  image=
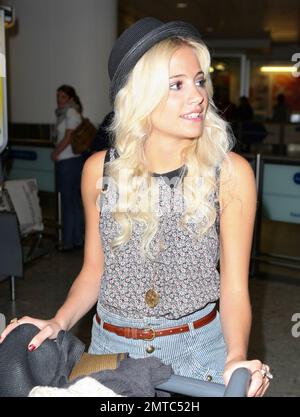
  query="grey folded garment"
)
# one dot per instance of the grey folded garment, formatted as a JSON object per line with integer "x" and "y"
{"x": 49, "y": 365}
{"x": 136, "y": 377}
{"x": 133, "y": 378}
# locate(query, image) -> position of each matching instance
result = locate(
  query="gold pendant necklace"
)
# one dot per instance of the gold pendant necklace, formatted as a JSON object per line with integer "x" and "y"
{"x": 152, "y": 298}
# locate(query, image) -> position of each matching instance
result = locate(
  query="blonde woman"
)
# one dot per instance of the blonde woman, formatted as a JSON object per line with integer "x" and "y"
{"x": 173, "y": 201}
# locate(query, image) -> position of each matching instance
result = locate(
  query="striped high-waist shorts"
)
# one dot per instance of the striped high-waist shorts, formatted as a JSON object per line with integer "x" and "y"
{"x": 197, "y": 353}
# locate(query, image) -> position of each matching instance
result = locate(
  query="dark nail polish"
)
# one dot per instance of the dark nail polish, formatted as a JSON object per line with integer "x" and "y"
{"x": 31, "y": 348}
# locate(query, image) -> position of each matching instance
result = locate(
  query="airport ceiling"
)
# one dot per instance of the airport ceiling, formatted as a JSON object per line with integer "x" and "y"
{"x": 278, "y": 20}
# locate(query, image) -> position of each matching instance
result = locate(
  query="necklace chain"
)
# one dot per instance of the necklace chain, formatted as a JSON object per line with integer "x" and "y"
{"x": 152, "y": 297}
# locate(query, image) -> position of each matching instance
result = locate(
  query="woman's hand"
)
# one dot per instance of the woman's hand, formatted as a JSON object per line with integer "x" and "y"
{"x": 54, "y": 155}
{"x": 49, "y": 329}
{"x": 260, "y": 375}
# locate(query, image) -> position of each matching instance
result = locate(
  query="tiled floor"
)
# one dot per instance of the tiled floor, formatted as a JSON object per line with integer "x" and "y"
{"x": 275, "y": 294}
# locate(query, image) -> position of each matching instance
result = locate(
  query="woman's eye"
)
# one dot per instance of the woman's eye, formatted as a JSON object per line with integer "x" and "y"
{"x": 176, "y": 86}
{"x": 201, "y": 83}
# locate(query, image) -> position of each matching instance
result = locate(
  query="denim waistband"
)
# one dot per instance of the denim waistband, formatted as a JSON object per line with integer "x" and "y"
{"x": 117, "y": 320}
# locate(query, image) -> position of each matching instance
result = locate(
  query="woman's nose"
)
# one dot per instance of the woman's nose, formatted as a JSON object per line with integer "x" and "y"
{"x": 196, "y": 96}
{"x": 196, "y": 99}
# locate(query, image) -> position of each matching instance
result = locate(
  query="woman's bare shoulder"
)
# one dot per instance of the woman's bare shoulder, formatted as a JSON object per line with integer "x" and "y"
{"x": 92, "y": 175}
{"x": 94, "y": 164}
{"x": 236, "y": 165}
{"x": 237, "y": 159}
{"x": 237, "y": 179}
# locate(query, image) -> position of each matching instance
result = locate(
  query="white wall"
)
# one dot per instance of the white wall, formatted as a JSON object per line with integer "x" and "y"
{"x": 59, "y": 42}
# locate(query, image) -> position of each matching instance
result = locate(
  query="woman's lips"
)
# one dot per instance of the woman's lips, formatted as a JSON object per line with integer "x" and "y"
{"x": 193, "y": 117}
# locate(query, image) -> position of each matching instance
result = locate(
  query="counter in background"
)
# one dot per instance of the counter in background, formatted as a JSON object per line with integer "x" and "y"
{"x": 278, "y": 180}
{"x": 31, "y": 159}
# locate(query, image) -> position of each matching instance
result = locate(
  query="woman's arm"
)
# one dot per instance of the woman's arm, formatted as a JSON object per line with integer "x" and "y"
{"x": 85, "y": 290}
{"x": 238, "y": 207}
{"x": 238, "y": 201}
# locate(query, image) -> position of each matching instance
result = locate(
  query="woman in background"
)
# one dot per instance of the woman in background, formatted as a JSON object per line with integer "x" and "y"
{"x": 68, "y": 167}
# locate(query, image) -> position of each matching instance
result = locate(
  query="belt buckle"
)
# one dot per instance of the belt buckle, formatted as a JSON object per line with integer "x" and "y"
{"x": 153, "y": 333}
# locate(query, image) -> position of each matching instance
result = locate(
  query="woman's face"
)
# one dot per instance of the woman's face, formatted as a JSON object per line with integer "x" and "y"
{"x": 62, "y": 99}
{"x": 182, "y": 115}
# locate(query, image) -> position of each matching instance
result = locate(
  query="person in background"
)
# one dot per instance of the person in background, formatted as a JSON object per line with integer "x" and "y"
{"x": 244, "y": 110}
{"x": 281, "y": 110}
{"x": 163, "y": 206}
{"x": 68, "y": 167}
{"x": 247, "y": 129}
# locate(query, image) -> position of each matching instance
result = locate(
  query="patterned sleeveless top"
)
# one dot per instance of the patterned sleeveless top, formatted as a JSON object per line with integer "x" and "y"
{"x": 186, "y": 279}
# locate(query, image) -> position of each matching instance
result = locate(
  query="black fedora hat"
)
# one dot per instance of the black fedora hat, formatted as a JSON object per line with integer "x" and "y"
{"x": 135, "y": 41}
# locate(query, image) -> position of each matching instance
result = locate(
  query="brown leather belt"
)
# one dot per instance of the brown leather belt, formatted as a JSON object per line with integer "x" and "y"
{"x": 149, "y": 333}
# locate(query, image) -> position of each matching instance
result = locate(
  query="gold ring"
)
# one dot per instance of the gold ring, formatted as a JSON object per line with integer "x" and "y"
{"x": 14, "y": 320}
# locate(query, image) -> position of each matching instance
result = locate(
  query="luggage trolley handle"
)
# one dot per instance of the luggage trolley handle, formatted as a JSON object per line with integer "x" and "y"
{"x": 2, "y": 322}
{"x": 237, "y": 386}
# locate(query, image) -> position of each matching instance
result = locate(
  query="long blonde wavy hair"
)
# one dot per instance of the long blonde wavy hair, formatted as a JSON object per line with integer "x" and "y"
{"x": 146, "y": 87}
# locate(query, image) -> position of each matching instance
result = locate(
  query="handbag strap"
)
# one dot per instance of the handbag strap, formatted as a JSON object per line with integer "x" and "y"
{"x": 110, "y": 155}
